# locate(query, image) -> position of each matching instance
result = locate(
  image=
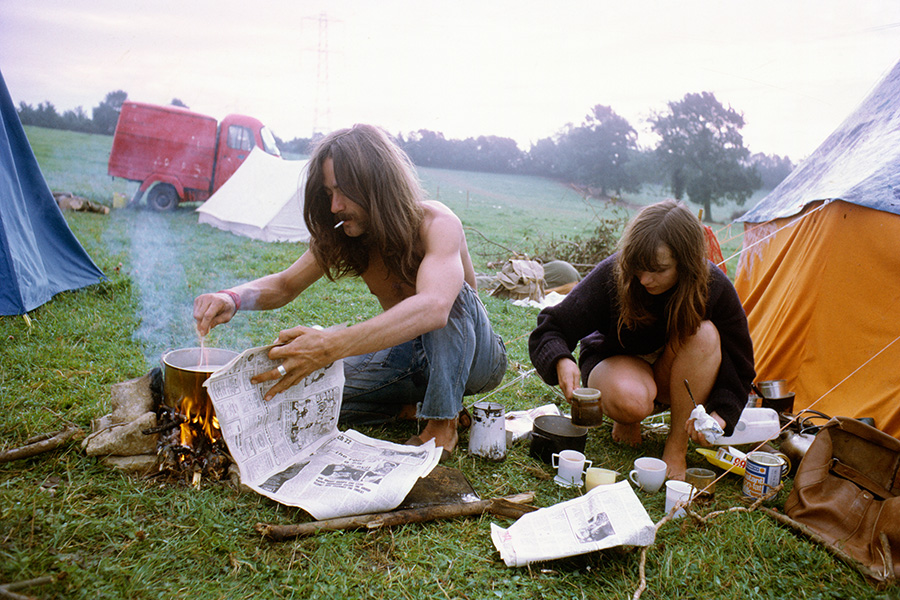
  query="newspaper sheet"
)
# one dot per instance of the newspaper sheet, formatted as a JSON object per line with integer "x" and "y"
{"x": 290, "y": 450}
{"x": 607, "y": 516}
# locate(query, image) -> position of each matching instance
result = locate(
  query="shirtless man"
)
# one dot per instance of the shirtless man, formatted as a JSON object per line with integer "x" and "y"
{"x": 432, "y": 344}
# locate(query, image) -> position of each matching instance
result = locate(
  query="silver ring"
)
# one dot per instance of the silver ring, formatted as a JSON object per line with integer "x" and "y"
{"x": 281, "y": 370}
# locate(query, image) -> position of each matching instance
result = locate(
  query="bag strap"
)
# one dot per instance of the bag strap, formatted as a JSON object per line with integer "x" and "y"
{"x": 847, "y": 472}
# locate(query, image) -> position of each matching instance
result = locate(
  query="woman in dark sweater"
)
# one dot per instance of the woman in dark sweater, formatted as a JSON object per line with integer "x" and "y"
{"x": 649, "y": 317}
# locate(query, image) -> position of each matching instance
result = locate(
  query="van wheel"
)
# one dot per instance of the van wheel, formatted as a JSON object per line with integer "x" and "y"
{"x": 162, "y": 197}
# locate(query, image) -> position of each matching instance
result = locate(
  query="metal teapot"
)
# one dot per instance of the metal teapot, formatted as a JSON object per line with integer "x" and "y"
{"x": 794, "y": 444}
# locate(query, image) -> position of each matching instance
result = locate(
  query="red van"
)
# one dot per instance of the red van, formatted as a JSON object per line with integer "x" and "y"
{"x": 181, "y": 156}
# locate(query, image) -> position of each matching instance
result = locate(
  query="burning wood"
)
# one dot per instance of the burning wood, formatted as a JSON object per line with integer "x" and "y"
{"x": 190, "y": 445}
{"x": 145, "y": 434}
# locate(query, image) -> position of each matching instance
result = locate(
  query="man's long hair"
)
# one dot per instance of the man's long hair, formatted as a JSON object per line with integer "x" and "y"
{"x": 373, "y": 172}
{"x": 671, "y": 224}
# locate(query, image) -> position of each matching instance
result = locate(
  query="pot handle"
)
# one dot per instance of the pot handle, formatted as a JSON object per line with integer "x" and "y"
{"x": 539, "y": 435}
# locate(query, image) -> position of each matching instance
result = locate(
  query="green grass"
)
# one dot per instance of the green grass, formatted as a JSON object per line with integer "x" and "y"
{"x": 120, "y": 537}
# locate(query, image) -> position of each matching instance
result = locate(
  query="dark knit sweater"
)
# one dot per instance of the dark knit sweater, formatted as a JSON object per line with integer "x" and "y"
{"x": 590, "y": 314}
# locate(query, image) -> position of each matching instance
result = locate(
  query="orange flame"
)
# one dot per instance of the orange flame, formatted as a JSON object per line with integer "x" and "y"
{"x": 201, "y": 419}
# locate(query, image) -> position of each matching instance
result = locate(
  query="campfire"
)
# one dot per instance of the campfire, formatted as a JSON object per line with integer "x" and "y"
{"x": 176, "y": 441}
{"x": 190, "y": 444}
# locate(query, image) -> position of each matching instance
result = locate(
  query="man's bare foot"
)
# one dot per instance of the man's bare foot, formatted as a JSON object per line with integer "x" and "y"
{"x": 676, "y": 461}
{"x": 407, "y": 412}
{"x": 443, "y": 432}
{"x": 627, "y": 433}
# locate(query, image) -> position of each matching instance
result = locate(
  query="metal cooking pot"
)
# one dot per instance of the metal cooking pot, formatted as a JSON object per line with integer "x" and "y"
{"x": 185, "y": 370}
{"x": 776, "y": 388}
{"x": 551, "y": 434}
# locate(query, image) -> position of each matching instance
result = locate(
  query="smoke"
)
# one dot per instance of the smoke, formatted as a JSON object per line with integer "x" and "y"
{"x": 158, "y": 247}
{"x": 165, "y": 302}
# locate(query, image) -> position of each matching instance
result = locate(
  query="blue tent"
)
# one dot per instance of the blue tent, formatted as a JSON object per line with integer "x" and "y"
{"x": 39, "y": 255}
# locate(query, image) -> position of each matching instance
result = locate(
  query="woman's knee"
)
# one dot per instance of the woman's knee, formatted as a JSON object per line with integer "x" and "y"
{"x": 626, "y": 396}
{"x": 706, "y": 341}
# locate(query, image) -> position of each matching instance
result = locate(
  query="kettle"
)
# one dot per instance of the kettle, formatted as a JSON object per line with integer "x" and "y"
{"x": 794, "y": 445}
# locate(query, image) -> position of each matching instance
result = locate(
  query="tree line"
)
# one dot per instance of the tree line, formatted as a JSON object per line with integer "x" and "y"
{"x": 700, "y": 155}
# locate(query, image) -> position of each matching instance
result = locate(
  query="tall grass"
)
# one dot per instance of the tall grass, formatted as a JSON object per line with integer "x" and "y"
{"x": 119, "y": 537}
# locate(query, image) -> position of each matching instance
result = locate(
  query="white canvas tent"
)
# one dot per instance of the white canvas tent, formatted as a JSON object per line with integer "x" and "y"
{"x": 262, "y": 200}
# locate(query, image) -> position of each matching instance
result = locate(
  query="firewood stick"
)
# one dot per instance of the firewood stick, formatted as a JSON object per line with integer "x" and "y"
{"x": 389, "y": 519}
{"x": 6, "y": 590}
{"x": 45, "y": 445}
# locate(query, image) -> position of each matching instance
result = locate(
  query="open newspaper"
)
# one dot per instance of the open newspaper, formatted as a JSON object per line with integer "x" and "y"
{"x": 607, "y": 516}
{"x": 290, "y": 450}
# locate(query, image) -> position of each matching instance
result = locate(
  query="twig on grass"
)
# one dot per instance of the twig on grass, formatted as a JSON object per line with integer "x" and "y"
{"x": 7, "y": 589}
{"x": 701, "y": 519}
{"x": 490, "y": 241}
{"x": 39, "y": 444}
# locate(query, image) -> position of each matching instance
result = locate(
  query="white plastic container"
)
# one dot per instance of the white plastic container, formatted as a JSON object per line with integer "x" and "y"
{"x": 755, "y": 425}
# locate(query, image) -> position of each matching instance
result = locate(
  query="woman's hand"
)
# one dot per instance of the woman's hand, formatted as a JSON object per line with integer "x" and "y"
{"x": 569, "y": 376}
{"x": 698, "y": 437}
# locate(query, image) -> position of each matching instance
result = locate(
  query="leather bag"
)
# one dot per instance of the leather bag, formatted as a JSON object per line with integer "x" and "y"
{"x": 847, "y": 492}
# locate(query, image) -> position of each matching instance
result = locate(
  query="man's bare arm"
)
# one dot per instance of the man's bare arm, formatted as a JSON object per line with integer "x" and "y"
{"x": 266, "y": 293}
{"x": 438, "y": 281}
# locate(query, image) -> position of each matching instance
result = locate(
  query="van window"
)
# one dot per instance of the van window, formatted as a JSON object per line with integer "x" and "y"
{"x": 240, "y": 138}
{"x": 268, "y": 140}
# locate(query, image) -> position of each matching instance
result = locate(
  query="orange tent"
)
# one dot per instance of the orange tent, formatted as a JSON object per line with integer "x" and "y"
{"x": 819, "y": 275}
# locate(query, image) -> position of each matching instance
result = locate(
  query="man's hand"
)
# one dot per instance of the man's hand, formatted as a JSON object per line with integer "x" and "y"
{"x": 301, "y": 351}
{"x": 213, "y": 309}
{"x": 569, "y": 376}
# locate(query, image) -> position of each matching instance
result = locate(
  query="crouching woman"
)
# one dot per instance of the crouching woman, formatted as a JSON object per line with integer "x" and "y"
{"x": 653, "y": 315}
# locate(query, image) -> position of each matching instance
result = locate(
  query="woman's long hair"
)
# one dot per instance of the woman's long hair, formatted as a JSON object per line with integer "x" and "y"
{"x": 667, "y": 223}
{"x": 373, "y": 172}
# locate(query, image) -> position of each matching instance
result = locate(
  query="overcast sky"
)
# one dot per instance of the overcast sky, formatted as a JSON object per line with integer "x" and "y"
{"x": 520, "y": 69}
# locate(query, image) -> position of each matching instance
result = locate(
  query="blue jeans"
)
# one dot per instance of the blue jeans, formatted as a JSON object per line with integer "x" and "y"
{"x": 433, "y": 371}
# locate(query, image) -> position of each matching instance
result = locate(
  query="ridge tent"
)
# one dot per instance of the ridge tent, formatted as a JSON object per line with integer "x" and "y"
{"x": 39, "y": 255}
{"x": 262, "y": 200}
{"x": 819, "y": 276}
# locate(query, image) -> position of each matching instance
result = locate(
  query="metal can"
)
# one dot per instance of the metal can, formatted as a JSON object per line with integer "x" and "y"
{"x": 763, "y": 472}
{"x": 487, "y": 437}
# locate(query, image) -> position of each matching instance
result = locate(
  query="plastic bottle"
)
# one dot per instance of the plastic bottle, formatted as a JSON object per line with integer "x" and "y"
{"x": 755, "y": 425}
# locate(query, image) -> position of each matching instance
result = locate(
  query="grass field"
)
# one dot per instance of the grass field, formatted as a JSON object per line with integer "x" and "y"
{"x": 115, "y": 536}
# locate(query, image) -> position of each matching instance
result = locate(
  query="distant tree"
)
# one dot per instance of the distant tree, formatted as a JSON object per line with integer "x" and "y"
{"x": 426, "y": 148}
{"x": 643, "y": 166}
{"x": 177, "y": 102}
{"x": 106, "y": 114}
{"x": 596, "y": 152}
{"x": 77, "y": 120}
{"x": 497, "y": 154}
{"x": 295, "y": 146}
{"x": 44, "y": 115}
{"x": 542, "y": 159}
{"x": 772, "y": 169}
{"x": 703, "y": 151}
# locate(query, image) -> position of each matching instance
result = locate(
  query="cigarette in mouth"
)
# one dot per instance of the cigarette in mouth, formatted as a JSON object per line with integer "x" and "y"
{"x": 339, "y": 224}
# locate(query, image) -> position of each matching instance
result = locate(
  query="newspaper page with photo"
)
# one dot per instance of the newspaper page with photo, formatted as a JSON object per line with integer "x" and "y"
{"x": 290, "y": 449}
{"x": 606, "y": 516}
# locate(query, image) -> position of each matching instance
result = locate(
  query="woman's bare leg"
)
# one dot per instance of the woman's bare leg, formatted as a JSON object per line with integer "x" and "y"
{"x": 697, "y": 361}
{"x": 627, "y": 390}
